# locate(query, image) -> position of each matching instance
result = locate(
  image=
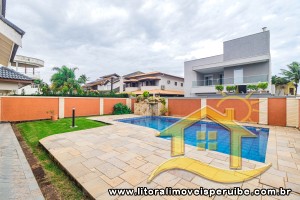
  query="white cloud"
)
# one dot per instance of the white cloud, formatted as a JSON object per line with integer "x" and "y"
{"x": 102, "y": 37}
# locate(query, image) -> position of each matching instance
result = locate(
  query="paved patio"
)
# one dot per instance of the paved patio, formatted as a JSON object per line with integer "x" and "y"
{"x": 124, "y": 155}
{"x": 16, "y": 178}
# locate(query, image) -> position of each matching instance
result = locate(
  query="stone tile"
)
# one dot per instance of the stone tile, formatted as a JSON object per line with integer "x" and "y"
{"x": 155, "y": 159}
{"x": 92, "y": 162}
{"x": 109, "y": 170}
{"x": 112, "y": 182}
{"x": 287, "y": 164}
{"x": 272, "y": 180}
{"x": 134, "y": 177}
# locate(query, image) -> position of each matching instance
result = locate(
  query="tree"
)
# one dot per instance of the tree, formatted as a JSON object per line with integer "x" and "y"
{"x": 64, "y": 80}
{"x": 292, "y": 74}
{"x": 279, "y": 82}
{"x": 83, "y": 79}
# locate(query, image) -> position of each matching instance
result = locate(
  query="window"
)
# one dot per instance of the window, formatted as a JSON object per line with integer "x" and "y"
{"x": 168, "y": 81}
{"x": 208, "y": 79}
{"x": 181, "y": 84}
{"x": 175, "y": 83}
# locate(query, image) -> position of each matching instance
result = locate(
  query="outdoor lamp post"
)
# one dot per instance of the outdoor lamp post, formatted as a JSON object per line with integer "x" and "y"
{"x": 73, "y": 118}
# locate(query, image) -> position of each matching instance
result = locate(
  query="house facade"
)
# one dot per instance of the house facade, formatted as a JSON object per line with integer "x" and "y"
{"x": 104, "y": 83}
{"x": 244, "y": 61}
{"x": 157, "y": 83}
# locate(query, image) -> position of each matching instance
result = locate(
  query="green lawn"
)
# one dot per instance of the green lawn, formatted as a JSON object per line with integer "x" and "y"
{"x": 32, "y": 132}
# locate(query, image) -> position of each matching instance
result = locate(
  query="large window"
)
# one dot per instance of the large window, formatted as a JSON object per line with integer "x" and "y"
{"x": 208, "y": 80}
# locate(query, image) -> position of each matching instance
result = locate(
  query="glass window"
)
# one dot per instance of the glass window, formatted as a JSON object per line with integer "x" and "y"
{"x": 168, "y": 81}
{"x": 176, "y": 83}
{"x": 181, "y": 84}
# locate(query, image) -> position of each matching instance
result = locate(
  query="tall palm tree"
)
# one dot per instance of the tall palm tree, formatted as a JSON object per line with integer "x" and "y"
{"x": 64, "y": 80}
{"x": 83, "y": 79}
{"x": 292, "y": 74}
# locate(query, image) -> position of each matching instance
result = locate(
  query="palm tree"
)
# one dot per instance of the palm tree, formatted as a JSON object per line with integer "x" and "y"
{"x": 64, "y": 80}
{"x": 292, "y": 74}
{"x": 83, "y": 79}
{"x": 279, "y": 82}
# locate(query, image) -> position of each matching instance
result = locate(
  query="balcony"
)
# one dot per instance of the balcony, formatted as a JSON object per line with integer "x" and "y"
{"x": 27, "y": 61}
{"x": 131, "y": 89}
{"x": 245, "y": 80}
{"x": 150, "y": 87}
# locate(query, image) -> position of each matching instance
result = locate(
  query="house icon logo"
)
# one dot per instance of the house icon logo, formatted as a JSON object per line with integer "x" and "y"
{"x": 234, "y": 174}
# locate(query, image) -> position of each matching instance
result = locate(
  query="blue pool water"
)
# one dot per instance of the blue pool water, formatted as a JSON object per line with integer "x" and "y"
{"x": 252, "y": 148}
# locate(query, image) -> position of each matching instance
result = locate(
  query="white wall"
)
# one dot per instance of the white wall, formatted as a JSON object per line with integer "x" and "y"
{"x": 189, "y": 76}
{"x": 171, "y": 85}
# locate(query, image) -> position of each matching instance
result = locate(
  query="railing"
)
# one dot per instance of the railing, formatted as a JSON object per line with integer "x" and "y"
{"x": 29, "y": 61}
{"x": 232, "y": 80}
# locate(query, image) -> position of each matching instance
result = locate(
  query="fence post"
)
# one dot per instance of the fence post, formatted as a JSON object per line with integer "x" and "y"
{"x": 203, "y": 102}
{"x": 0, "y": 109}
{"x": 128, "y": 103}
{"x": 263, "y": 111}
{"x": 101, "y": 106}
{"x": 292, "y": 112}
{"x": 61, "y": 107}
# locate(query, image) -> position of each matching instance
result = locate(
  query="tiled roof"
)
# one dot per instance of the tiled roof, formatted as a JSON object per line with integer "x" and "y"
{"x": 6, "y": 73}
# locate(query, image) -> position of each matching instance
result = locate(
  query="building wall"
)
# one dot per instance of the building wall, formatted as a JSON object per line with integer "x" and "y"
{"x": 171, "y": 85}
{"x": 248, "y": 46}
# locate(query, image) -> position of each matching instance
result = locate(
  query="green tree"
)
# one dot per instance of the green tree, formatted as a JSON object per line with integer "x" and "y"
{"x": 292, "y": 74}
{"x": 65, "y": 82}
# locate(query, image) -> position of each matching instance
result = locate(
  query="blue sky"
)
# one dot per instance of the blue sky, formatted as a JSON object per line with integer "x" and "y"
{"x": 102, "y": 37}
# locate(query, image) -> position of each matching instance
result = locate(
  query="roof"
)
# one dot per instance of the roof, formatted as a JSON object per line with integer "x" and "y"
{"x": 153, "y": 73}
{"x": 166, "y": 92}
{"x": 133, "y": 74}
{"x": 110, "y": 75}
{"x": 9, "y": 74}
{"x": 17, "y": 29}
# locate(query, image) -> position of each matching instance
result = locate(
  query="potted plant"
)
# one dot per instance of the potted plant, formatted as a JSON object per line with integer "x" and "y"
{"x": 263, "y": 86}
{"x": 53, "y": 116}
{"x": 219, "y": 88}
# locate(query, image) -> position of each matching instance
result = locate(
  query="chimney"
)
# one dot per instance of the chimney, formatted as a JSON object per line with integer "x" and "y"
{"x": 264, "y": 29}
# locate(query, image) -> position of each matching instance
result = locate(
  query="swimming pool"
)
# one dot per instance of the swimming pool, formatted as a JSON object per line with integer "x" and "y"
{"x": 252, "y": 148}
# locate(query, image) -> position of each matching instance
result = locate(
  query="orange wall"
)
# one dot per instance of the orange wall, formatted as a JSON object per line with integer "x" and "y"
{"x": 132, "y": 104}
{"x": 183, "y": 107}
{"x": 246, "y": 110}
{"x": 26, "y": 109}
{"x": 84, "y": 106}
{"x": 109, "y": 104}
{"x": 277, "y": 111}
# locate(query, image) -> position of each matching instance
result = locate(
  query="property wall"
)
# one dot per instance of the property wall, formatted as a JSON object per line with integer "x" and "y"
{"x": 246, "y": 110}
{"x": 183, "y": 107}
{"x": 27, "y": 108}
{"x": 277, "y": 111}
{"x": 84, "y": 106}
{"x": 109, "y": 104}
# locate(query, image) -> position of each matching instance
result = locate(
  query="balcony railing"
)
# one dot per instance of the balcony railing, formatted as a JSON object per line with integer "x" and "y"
{"x": 232, "y": 80}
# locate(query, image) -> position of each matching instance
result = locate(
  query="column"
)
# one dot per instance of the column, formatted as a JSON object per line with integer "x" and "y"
{"x": 101, "y": 106}
{"x": 263, "y": 111}
{"x": 61, "y": 107}
{"x": 292, "y": 112}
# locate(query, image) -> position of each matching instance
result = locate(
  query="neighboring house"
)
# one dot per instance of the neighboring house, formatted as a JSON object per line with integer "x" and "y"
{"x": 29, "y": 67}
{"x": 244, "y": 61}
{"x": 156, "y": 83}
{"x": 288, "y": 89}
{"x": 10, "y": 40}
{"x": 103, "y": 84}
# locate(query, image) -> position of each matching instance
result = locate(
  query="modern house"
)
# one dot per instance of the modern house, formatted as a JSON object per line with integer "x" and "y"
{"x": 10, "y": 40}
{"x": 157, "y": 83}
{"x": 244, "y": 61}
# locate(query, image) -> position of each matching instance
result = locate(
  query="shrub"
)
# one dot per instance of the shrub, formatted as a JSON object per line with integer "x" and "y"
{"x": 262, "y": 85}
{"x": 120, "y": 109}
{"x": 146, "y": 94}
{"x": 163, "y": 101}
{"x": 139, "y": 98}
{"x": 230, "y": 88}
{"x": 220, "y": 88}
{"x": 163, "y": 110}
{"x": 252, "y": 87}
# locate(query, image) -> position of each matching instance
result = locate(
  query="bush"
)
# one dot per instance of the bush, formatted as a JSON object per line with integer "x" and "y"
{"x": 139, "y": 98}
{"x": 230, "y": 88}
{"x": 262, "y": 85}
{"x": 120, "y": 109}
{"x": 163, "y": 110}
{"x": 252, "y": 87}
{"x": 163, "y": 101}
{"x": 220, "y": 88}
{"x": 146, "y": 94}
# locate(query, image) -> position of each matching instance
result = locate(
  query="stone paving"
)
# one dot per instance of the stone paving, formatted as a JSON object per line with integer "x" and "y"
{"x": 16, "y": 178}
{"x": 123, "y": 155}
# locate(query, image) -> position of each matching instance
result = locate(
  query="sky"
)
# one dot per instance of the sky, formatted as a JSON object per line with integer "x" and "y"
{"x": 116, "y": 36}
